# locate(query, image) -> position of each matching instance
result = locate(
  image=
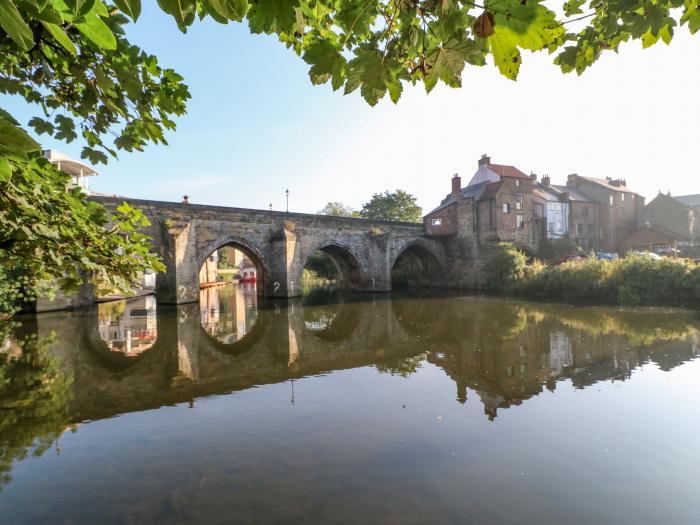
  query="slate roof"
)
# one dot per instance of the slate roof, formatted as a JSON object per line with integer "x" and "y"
{"x": 607, "y": 185}
{"x": 469, "y": 192}
{"x": 574, "y": 194}
{"x": 689, "y": 200}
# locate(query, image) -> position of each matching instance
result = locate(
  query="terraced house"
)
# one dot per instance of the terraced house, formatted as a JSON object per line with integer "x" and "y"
{"x": 502, "y": 203}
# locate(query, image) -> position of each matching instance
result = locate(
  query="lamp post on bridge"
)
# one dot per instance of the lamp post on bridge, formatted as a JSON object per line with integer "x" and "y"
{"x": 287, "y": 194}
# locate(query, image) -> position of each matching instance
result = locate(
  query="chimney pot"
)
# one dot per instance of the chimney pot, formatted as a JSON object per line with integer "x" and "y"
{"x": 546, "y": 180}
{"x": 485, "y": 160}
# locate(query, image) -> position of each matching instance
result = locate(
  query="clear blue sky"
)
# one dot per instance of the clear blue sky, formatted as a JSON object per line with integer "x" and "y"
{"x": 256, "y": 126}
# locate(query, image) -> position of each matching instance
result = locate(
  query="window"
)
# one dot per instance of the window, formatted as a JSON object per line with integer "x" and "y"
{"x": 579, "y": 228}
{"x": 590, "y": 228}
{"x": 517, "y": 182}
{"x": 584, "y": 211}
{"x": 518, "y": 202}
{"x": 520, "y": 222}
{"x": 436, "y": 222}
{"x": 506, "y": 207}
{"x": 622, "y": 197}
{"x": 612, "y": 200}
{"x": 622, "y": 213}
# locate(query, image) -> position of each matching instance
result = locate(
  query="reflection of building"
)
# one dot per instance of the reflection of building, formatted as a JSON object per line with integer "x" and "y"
{"x": 128, "y": 326}
{"x": 228, "y": 313}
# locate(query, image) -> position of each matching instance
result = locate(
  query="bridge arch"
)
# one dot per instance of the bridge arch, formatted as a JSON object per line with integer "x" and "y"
{"x": 417, "y": 264}
{"x": 349, "y": 264}
{"x": 249, "y": 250}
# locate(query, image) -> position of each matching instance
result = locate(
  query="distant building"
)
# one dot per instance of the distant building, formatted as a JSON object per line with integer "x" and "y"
{"x": 619, "y": 208}
{"x": 679, "y": 216}
{"x": 79, "y": 171}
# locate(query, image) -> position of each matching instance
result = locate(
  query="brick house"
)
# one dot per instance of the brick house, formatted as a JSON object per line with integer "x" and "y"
{"x": 652, "y": 239}
{"x": 619, "y": 208}
{"x": 496, "y": 205}
{"x": 678, "y": 215}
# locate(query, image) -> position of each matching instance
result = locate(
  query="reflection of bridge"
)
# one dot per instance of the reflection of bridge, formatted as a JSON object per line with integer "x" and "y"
{"x": 364, "y": 251}
{"x": 504, "y": 352}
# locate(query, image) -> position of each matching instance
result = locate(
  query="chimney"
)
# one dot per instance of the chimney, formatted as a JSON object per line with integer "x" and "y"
{"x": 545, "y": 180}
{"x": 456, "y": 185}
{"x": 571, "y": 180}
{"x": 485, "y": 160}
{"x": 565, "y": 196}
{"x": 533, "y": 176}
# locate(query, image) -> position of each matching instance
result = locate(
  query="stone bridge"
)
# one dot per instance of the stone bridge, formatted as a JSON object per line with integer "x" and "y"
{"x": 364, "y": 251}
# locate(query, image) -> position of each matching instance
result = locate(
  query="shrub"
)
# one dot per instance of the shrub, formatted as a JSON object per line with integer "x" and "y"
{"x": 505, "y": 267}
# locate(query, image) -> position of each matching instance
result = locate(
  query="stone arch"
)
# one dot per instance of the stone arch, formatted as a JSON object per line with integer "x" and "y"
{"x": 417, "y": 265}
{"x": 249, "y": 249}
{"x": 350, "y": 265}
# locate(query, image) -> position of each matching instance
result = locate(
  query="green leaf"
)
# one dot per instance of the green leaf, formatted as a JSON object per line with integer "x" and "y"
{"x": 61, "y": 37}
{"x": 355, "y": 17}
{"x": 184, "y": 11}
{"x": 326, "y": 63}
{"x": 374, "y": 74}
{"x": 131, "y": 8}
{"x": 272, "y": 16}
{"x": 15, "y": 26}
{"x": 41, "y": 126}
{"x": 524, "y": 25}
{"x": 230, "y": 9}
{"x": 14, "y": 139}
{"x": 447, "y": 62}
{"x": 691, "y": 16}
{"x": 5, "y": 169}
{"x": 97, "y": 32}
{"x": 93, "y": 155}
{"x": 66, "y": 128}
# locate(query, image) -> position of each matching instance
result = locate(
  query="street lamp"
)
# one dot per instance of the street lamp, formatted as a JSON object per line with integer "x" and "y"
{"x": 287, "y": 193}
{"x": 270, "y": 206}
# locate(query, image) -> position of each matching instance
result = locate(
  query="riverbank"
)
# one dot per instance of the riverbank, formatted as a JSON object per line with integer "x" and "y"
{"x": 637, "y": 280}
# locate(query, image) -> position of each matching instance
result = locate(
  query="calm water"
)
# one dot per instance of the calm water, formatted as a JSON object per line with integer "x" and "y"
{"x": 341, "y": 409}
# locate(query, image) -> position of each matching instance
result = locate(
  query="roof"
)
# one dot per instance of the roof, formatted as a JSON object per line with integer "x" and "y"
{"x": 574, "y": 194}
{"x": 68, "y": 165}
{"x": 689, "y": 200}
{"x": 490, "y": 191}
{"x": 606, "y": 183}
{"x": 507, "y": 171}
{"x": 660, "y": 234}
{"x": 474, "y": 191}
{"x": 545, "y": 193}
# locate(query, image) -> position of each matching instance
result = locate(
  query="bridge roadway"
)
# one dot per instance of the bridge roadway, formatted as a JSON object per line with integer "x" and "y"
{"x": 365, "y": 251}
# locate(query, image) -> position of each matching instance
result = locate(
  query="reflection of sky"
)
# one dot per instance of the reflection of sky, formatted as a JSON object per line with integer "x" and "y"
{"x": 128, "y": 326}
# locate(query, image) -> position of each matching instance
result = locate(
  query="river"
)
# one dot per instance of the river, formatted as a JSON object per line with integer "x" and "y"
{"x": 336, "y": 408}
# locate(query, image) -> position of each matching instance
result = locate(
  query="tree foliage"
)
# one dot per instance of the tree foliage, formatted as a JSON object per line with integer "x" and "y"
{"x": 392, "y": 206}
{"x": 338, "y": 209}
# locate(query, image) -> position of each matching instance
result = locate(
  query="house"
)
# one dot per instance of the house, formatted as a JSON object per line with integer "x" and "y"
{"x": 619, "y": 208}
{"x": 655, "y": 239}
{"x": 679, "y": 216}
{"x": 79, "y": 171}
{"x": 496, "y": 205}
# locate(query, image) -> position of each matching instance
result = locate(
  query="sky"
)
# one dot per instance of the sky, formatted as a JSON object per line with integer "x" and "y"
{"x": 256, "y": 126}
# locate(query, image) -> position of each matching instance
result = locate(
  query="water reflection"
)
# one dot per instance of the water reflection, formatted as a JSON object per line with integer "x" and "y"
{"x": 489, "y": 355}
{"x": 128, "y": 326}
{"x": 228, "y": 313}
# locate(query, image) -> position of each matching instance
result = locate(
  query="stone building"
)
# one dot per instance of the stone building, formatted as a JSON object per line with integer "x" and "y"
{"x": 619, "y": 208}
{"x": 496, "y": 205}
{"x": 678, "y": 216}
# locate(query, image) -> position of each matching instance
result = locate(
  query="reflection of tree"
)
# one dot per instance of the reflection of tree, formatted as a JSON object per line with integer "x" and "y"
{"x": 402, "y": 366}
{"x": 34, "y": 397}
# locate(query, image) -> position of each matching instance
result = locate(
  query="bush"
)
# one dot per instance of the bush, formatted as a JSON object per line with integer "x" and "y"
{"x": 505, "y": 268}
{"x": 634, "y": 280}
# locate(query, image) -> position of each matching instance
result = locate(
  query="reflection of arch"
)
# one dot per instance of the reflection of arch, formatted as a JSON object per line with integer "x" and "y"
{"x": 419, "y": 315}
{"x": 244, "y": 344}
{"x": 416, "y": 264}
{"x": 332, "y": 322}
{"x": 348, "y": 263}
{"x": 251, "y": 251}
